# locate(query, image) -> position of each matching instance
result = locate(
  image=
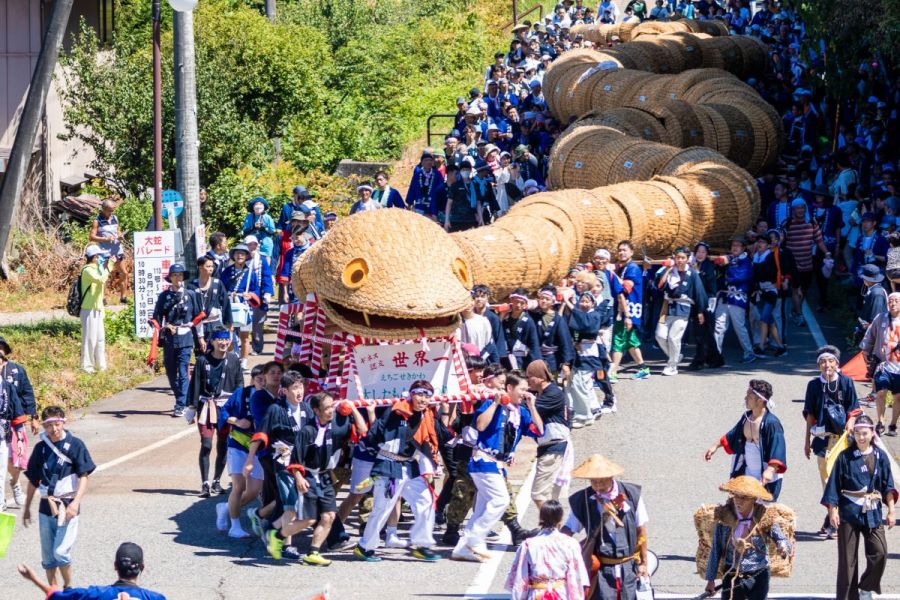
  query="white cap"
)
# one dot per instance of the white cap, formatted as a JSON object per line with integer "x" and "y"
{"x": 251, "y": 239}
{"x": 93, "y": 250}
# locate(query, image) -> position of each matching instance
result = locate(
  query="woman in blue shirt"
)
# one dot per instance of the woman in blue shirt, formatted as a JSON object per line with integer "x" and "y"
{"x": 260, "y": 224}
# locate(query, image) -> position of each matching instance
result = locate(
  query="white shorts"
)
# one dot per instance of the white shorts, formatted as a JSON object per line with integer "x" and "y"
{"x": 360, "y": 470}
{"x": 237, "y": 458}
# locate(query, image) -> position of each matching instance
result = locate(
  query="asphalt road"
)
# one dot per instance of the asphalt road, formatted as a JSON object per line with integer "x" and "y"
{"x": 145, "y": 491}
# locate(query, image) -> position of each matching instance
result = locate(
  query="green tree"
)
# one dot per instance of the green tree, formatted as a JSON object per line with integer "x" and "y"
{"x": 853, "y": 33}
{"x": 252, "y": 80}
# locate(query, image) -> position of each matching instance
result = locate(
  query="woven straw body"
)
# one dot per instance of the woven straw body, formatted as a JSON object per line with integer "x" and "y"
{"x": 617, "y": 173}
{"x": 784, "y": 516}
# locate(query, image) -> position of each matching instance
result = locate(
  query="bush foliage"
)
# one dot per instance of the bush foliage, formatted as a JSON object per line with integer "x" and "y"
{"x": 331, "y": 79}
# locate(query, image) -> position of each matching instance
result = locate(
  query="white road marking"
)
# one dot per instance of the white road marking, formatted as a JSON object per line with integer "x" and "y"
{"x": 145, "y": 449}
{"x": 488, "y": 569}
{"x": 815, "y": 330}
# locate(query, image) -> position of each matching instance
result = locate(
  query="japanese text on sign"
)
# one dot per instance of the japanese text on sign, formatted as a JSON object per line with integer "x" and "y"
{"x": 386, "y": 371}
{"x": 154, "y": 253}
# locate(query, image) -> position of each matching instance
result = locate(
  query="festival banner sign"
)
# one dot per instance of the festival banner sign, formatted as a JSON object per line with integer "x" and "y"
{"x": 154, "y": 253}
{"x": 387, "y": 371}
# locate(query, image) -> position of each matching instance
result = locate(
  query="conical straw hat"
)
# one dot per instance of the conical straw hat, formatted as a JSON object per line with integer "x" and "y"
{"x": 597, "y": 467}
{"x": 745, "y": 486}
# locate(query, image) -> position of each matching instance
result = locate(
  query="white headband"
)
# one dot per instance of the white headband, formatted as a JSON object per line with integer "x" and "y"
{"x": 829, "y": 355}
{"x": 546, "y": 293}
{"x": 54, "y": 420}
{"x": 518, "y": 297}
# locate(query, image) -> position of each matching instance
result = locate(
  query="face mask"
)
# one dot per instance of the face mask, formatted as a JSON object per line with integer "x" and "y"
{"x": 258, "y": 209}
{"x": 466, "y": 175}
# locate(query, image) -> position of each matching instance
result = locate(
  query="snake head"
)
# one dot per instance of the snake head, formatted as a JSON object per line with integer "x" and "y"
{"x": 387, "y": 274}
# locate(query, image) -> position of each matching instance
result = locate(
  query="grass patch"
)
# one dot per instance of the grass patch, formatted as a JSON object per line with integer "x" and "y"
{"x": 51, "y": 352}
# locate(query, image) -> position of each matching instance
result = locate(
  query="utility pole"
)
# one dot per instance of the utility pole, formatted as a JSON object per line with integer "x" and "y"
{"x": 186, "y": 140}
{"x": 30, "y": 122}
{"x": 156, "y": 15}
{"x": 270, "y": 10}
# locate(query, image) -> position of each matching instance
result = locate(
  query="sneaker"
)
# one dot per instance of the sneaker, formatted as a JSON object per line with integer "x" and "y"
{"x": 670, "y": 370}
{"x": 177, "y": 412}
{"x": 274, "y": 546}
{"x": 255, "y": 525}
{"x": 492, "y": 535}
{"x": 204, "y": 491}
{"x": 366, "y": 555}
{"x": 392, "y": 540}
{"x": 868, "y": 401}
{"x": 759, "y": 352}
{"x": 879, "y": 429}
{"x": 3, "y": 506}
{"x": 423, "y": 553}
{"x": 341, "y": 545}
{"x": 597, "y": 413}
{"x": 216, "y": 487}
{"x": 643, "y": 373}
{"x": 695, "y": 366}
{"x": 291, "y": 553}
{"x": 18, "y": 495}
{"x": 613, "y": 378}
{"x": 465, "y": 554}
{"x": 245, "y": 365}
{"x": 222, "y": 516}
{"x": 238, "y": 533}
{"x": 577, "y": 423}
{"x": 780, "y": 351}
{"x": 892, "y": 431}
{"x": 865, "y": 595}
{"x": 315, "y": 559}
{"x": 748, "y": 358}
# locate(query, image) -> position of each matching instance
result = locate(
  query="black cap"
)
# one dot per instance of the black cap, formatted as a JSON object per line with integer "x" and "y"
{"x": 129, "y": 554}
{"x": 4, "y": 346}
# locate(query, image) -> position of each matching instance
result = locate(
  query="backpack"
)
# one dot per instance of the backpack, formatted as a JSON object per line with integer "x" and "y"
{"x": 75, "y": 297}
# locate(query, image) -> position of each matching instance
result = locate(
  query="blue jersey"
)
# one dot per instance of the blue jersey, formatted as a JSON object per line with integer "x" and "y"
{"x": 633, "y": 276}
{"x": 500, "y": 437}
{"x": 121, "y": 590}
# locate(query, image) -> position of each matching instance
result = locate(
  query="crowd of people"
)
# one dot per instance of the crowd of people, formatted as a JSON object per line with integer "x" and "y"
{"x": 548, "y": 362}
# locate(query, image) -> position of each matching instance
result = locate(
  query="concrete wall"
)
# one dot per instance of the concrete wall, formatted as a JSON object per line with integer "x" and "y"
{"x": 22, "y": 24}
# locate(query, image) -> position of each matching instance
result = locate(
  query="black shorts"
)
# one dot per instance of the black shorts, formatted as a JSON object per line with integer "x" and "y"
{"x": 320, "y": 498}
{"x": 801, "y": 280}
{"x": 270, "y": 483}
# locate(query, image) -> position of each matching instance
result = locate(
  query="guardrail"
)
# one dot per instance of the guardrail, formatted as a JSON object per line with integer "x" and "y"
{"x": 430, "y": 134}
{"x": 539, "y": 7}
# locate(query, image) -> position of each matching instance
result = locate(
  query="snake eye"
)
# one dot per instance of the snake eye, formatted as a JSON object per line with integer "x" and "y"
{"x": 461, "y": 270}
{"x": 355, "y": 273}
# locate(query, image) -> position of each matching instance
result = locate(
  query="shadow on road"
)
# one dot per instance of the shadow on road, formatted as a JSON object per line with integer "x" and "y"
{"x": 123, "y": 414}
{"x": 169, "y": 491}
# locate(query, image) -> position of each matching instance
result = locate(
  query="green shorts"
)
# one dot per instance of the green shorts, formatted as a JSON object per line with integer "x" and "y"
{"x": 623, "y": 339}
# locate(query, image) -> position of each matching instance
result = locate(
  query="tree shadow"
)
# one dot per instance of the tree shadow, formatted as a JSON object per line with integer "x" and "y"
{"x": 123, "y": 414}
{"x": 170, "y": 492}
